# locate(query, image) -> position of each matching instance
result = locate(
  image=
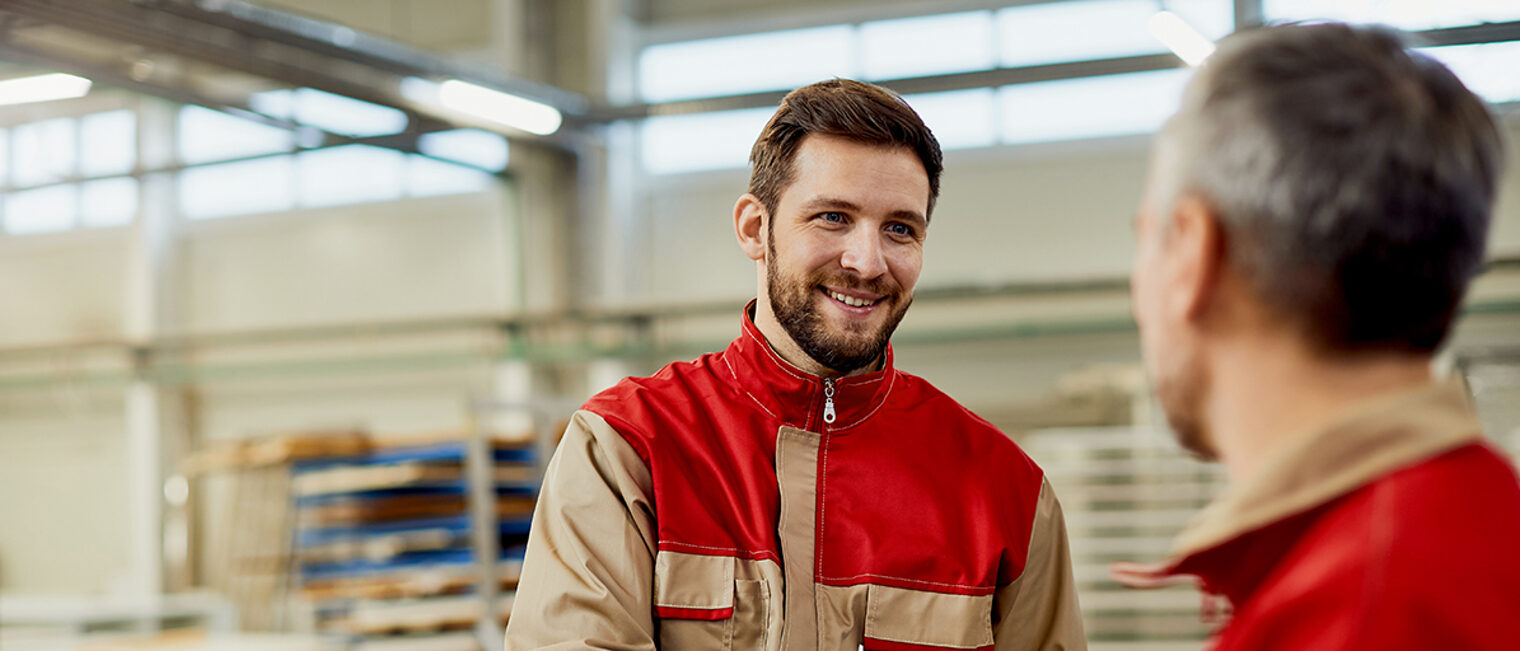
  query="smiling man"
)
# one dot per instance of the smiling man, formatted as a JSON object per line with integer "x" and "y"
{"x": 796, "y": 490}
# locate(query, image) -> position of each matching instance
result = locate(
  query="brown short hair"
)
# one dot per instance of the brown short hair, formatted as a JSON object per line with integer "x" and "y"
{"x": 847, "y": 108}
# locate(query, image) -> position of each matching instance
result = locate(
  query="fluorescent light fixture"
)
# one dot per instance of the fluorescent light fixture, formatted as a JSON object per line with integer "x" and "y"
{"x": 1180, "y": 37}
{"x": 496, "y": 106}
{"x": 42, "y": 88}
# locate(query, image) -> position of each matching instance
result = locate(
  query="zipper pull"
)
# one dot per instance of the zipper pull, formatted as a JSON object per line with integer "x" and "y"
{"x": 828, "y": 401}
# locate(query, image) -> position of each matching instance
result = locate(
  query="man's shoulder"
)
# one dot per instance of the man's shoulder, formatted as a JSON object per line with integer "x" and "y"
{"x": 919, "y": 400}
{"x": 669, "y": 392}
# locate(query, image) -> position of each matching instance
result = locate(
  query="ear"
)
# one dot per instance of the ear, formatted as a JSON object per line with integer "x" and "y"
{"x": 1197, "y": 250}
{"x": 749, "y": 226}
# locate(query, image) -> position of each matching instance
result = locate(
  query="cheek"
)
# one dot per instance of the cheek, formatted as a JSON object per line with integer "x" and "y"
{"x": 906, "y": 266}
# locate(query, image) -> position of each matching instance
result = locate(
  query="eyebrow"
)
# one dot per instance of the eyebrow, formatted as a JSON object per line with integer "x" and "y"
{"x": 835, "y": 203}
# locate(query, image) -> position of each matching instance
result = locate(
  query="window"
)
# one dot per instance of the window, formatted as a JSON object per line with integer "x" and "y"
{"x": 426, "y": 177}
{"x": 108, "y": 202}
{"x": 42, "y": 210}
{"x": 1487, "y": 69}
{"x": 110, "y": 143}
{"x": 349, "y": 174}
{"x": 1073, "y": 109}
{"x": 329, "y": 112}
{"x": 238, "y": 188}
{"x": 206, "y": 136}
{"x": 1403, "y": 14}
{"x": 958, "y": 118}
{"x": 701, "y": 141}
{"x": 743, "y": 64}
{"x": 477, "y": 147}
{"x": 927, "y": 45}
{"x": 44, "y": 152}
{"x": 1082, "y": 30}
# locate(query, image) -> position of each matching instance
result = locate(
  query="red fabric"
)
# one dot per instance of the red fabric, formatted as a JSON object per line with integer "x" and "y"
{"x": 701, "y": 614}
{"x": 1422, "y": 558}
{"x": 914, "y": 491}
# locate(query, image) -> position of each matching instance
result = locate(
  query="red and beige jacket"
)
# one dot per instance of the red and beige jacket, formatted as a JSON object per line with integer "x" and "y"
{"x": 1395, "y": 527}
{"x": 737, "y": 502}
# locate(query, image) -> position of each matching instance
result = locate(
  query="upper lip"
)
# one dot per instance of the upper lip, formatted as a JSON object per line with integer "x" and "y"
{"x": 853, "y": 294}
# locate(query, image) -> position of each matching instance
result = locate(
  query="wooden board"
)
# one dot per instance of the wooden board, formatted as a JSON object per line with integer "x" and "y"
{"x": 400, "y": 507}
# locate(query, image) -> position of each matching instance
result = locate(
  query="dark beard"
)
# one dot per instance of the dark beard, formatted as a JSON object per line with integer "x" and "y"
{"x": 792, "y": 303}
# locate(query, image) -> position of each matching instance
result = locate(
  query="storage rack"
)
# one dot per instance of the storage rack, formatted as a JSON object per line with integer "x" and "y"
{"x": 394, "y": 547}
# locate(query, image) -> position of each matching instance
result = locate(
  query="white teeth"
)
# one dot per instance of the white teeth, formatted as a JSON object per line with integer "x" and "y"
{"x": 850, "y": 300}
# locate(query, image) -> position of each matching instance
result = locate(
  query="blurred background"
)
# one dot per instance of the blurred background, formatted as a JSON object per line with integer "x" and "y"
{"x": 298, "y": 295}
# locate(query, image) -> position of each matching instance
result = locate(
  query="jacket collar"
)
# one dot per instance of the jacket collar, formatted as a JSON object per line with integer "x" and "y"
{"x": 1359, "y": 446}
{"x": 795, "y": 397}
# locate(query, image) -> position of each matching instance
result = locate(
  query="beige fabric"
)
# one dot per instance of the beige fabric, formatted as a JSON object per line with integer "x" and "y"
{"x": 693, "y": 581}
{"x": 587, "y": 581}
{"x": 1039, "y": 609}
{"x": 841, "y": 616}
{"x": 797, "y": 475}
{"x": 1363, "y": 443}
{"x": 919, "y": 617}
{"x": 751, "y": 587}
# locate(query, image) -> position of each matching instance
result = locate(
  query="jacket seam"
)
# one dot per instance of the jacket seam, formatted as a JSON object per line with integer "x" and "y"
{"x": 908, "y": 580}
{"x": 746, "y": 392}
{"x": 885, "y": 393}
{"x": 750, "y": 554}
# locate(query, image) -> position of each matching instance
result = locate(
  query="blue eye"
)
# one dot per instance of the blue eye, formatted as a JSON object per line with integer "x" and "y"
{"x": 832, "y": 217}
{"x": 900, "y": 229}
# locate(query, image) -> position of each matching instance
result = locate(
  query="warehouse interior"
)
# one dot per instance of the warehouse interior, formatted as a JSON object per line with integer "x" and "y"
{"x": 244, "y": 243}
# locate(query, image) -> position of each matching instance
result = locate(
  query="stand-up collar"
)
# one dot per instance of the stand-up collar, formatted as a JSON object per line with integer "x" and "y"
{"x": 796, "y": 397}
{"x": 1232, "y": 543}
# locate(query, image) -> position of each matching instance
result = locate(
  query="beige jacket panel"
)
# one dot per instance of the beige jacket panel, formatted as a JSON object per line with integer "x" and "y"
{"x": 1039, "y": 609}
{"x": 587, "y": 580}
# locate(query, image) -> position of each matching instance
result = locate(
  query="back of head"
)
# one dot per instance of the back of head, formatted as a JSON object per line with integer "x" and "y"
{"x": 1354, "y": 179}
{"x": 859, "y": 111}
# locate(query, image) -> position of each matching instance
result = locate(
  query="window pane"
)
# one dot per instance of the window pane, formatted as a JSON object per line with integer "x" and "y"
{"x": 742, "y": 64}
{"x": 927, "y": 45}
{"x": 108, "y": 202}
{"x": 44, "y": 152}
{"x": 206, "y": 135}
{"x": 1487, "y": 69}
{"x": 1073, "y": 109}
{"x": 43, "y": 210}
{"x": 959, "y": 118}
{"x": 701, "y": 141}
{"x": 5, "y": 157}
{"x": 109, "y": 143}
{"x": 238, "y": 188}
{"x": 1403, "y": 14}
{"x": 346, "y": 115}
{"x": 349, "y": 174}
{"x": 1084, "y": 30}
{"x": 477, "y": 147}
{"x": 426, "y": 177}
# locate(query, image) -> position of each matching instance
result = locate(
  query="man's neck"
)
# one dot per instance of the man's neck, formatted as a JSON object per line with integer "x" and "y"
{"x": 1265, "y": 396}
{"x": 783, "y": 344}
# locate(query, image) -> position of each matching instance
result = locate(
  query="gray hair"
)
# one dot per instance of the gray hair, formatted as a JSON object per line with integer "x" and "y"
{"x": 1354, "y": 179}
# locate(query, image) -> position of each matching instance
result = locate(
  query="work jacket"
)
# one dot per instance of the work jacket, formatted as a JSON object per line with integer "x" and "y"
{"x": 1395, "y": 527}
{"x": 737, "y": 502}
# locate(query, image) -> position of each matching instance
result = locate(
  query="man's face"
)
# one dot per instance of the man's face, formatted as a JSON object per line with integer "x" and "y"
{"x": 1168, "y": 342}
{"x": 845, "y": 247}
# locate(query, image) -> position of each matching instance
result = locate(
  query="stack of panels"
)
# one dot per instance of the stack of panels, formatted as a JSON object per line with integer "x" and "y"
{"x": 1126, "y": 493}
{"x": 383, "y": 543}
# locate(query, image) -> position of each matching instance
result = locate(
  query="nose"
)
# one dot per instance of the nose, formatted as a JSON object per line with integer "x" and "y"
{"x": 863, "y": 253}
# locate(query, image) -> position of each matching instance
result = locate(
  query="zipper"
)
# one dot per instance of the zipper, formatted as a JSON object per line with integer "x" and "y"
{"x": 828, "y": 401}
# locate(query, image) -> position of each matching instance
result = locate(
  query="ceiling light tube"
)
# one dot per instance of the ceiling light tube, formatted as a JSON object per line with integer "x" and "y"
{"x": 1180, "y": 37}
{"x": 43, "y": 88}
{"x": 496, "y": 106}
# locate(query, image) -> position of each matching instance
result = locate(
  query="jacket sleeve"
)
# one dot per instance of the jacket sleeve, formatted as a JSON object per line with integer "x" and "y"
{"x": 587, "y": 580}
{"x": 1038, "y": 611}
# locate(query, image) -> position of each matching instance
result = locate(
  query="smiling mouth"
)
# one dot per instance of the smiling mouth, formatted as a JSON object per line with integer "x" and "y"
{"x": 850, "y": 300}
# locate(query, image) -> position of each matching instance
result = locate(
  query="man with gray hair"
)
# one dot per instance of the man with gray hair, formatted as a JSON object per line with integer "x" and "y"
{"x": 1315, "y": 212}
